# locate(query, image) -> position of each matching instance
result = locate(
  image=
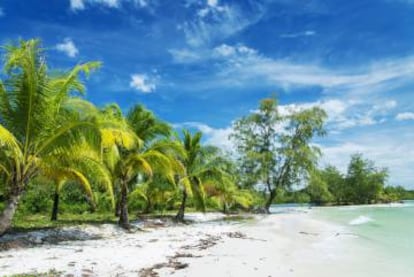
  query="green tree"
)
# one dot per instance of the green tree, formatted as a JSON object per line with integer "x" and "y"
{"x": 225, "y": 191}
{"x": 318, "y": 189}
{"x": 201, "y": 168}
{"x": 336, "y": 183}
{"x": 130, "y": 159}
{"x": 35, "y": 125}
{"x": 276, "y": 150}
{"x": 83, "y": 167}
{"x": 364, "y": 181}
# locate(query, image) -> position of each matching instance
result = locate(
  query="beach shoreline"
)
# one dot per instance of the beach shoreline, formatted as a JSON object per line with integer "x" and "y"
{"x": 270, "y": 245}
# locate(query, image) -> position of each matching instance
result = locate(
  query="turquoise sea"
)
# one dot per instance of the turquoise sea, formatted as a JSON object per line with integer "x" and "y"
{"x": 381, "y": 241}
{"x": 385, "y": 235}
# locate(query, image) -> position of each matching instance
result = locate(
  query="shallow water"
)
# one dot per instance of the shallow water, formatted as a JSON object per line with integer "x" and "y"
{"x": 385, "y": 235}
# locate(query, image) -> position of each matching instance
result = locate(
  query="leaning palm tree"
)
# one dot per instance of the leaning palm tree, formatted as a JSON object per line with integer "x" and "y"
{"x": 35, "y": 125}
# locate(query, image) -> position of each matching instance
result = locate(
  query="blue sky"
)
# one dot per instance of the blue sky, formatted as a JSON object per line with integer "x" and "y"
{"x": 204, "y": 63}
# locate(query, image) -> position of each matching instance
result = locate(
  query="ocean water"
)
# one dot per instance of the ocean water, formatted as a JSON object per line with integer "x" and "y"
{"x": 384, "y": 241}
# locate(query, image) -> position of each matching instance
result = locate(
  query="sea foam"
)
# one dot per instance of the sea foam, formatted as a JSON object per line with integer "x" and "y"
{"x": 360, "y": 220}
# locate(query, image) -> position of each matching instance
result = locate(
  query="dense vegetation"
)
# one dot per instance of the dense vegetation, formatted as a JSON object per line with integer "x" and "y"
{"x": 60, "y": 155}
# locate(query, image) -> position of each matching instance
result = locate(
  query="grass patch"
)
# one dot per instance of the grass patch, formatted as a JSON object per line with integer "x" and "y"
{"x": 29, "y": 222}
{"x": 51, "y": 273}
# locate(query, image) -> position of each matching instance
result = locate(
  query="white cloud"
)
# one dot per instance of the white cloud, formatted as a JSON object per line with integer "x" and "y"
{"x": 143, "y": 83}
{"x": 68, "y": 47}
{"x": 213, "y": 22}
{"x": 218, "y": 137}
{"x": 184, "y": 55}
{"x": 76, "y": 5}
{"x": 384, "y": 148}
{"x": 221, "y": 52}
{"x": 238, "y": 51}
{"x": 307, "y": 33}
{"x": 212, "y": 3}
{"x": 242, "y": 66}
{"x": 142, "y": 3}
{"x": 344, "y": 114}
{"x": 405, "y": 116}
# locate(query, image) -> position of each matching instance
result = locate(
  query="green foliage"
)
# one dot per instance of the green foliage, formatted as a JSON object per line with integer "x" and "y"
{"x": 278, "y": 159}
{"x": 364, "y": 183}
{"x": 38, "y": 198}
{"x": 318, "y": 189}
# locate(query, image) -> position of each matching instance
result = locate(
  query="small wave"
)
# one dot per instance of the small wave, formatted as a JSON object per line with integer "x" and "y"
{"x": 360, "y": 220}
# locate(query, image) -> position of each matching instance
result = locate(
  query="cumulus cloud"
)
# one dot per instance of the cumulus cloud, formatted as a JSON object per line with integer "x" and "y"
{"x": 68, "y": 47}
{"x": 405, "y": 116}
{"x": 143, "y": 83}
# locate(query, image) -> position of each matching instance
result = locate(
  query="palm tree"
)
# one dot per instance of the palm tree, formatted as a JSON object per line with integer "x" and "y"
{"x": 225, "y": 192}
{"x": 137, "y": 153}
{"x": 200, "y": 169}
{"x": 83, "y": 166}
{"x": 35, "y": 125}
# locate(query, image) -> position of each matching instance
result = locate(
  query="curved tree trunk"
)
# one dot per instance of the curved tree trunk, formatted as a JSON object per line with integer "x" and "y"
{"x": 55, "y": 209}
{"x": 123, "y": 203}
{"x": 7, "y": 215}
{"x": 181, "y": 211}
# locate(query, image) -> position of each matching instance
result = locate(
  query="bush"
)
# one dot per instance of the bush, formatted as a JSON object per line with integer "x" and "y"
{"x": 37, "y": 198}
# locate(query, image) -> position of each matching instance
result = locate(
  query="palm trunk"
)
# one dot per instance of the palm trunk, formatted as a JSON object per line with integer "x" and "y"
{"x": 181, "y": 211}
{"x": 148, "y": 207}
{"x": 92, "y": 205}
{"x": 55, "y": 209}
{"x": 269, "y": 202}
{"x": 225, "y": 210}
{"x": 8, "y": 213}
{"x": 118, "y": 206}
{"x": 123, "y": 216}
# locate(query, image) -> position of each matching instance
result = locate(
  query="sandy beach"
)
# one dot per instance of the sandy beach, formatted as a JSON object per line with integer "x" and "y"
{"x": 290, "y": 244}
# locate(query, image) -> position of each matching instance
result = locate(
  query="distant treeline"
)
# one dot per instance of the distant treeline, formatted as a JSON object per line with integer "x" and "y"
{"x": 362, "y": 184}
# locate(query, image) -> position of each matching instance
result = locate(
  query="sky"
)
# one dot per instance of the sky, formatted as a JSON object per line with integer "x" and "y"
{"x": 202, "y": 64}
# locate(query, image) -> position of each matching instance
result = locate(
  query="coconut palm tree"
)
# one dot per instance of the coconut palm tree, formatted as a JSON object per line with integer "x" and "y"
{"x": 35, "y": 125}
{"x": 132, "y": 153}
{"x": 225, "y": 192}
{"x": 83, "y": 167}
{"x": 201, "y": 168}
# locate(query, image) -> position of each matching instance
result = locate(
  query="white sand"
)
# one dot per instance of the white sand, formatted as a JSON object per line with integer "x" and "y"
{"x": 277, "y": 245}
